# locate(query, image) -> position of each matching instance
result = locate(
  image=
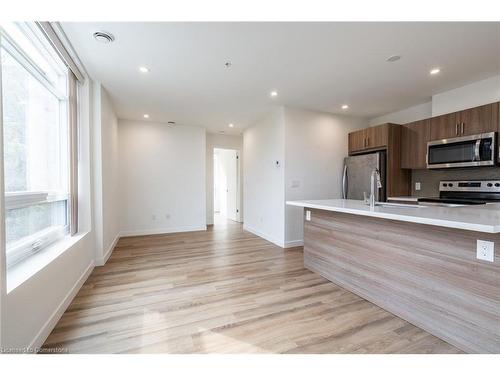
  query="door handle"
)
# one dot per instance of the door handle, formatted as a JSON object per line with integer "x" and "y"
{"x": 344, "y": 183}
{"x": 477, "y": 157}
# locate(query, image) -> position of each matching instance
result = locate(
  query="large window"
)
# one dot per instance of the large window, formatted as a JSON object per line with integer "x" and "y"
{"x": 36, "y": 141}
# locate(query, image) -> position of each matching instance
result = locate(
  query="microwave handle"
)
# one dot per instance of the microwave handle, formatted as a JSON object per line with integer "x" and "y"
{"x": 477, "y": 157}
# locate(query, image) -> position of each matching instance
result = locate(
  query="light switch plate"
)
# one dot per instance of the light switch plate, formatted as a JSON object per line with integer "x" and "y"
{"x": 485, "y": 250}
{"x": 417, "y": 186}
{"x": 308, "y": 215}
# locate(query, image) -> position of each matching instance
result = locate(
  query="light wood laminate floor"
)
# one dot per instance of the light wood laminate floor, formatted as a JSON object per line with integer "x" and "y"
{"x": 224, "y": 290}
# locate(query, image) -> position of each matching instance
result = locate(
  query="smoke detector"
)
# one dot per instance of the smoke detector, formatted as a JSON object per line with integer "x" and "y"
{"x": 104, "y": 37}
{"x": 393, "y": 58}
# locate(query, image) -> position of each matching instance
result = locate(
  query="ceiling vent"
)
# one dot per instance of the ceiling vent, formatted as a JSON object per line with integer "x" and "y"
{"x": 104, "y": 37}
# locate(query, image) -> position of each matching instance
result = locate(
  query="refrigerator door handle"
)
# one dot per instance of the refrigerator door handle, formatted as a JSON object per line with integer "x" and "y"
{"x": 344, "y": 183}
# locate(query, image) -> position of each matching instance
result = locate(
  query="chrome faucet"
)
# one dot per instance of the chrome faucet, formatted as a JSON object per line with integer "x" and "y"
{"x": 374, "y": 184}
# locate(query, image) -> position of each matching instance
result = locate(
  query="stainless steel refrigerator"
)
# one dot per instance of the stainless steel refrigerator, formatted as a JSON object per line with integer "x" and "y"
{"x": 357, "y": 173}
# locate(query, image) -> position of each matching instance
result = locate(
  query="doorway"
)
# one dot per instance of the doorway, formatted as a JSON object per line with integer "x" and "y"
{"x": 226, "y": 185}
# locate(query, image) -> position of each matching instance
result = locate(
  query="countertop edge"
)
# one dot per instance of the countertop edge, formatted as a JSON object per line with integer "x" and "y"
{"x": 406, "y": 218}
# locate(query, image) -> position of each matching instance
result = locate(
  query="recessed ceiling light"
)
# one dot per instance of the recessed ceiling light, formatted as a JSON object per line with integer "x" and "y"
{"x": 145, "y": 115}
{"x": 104, "y": 37}
{"x": 393, "y": 58}
{"x": 231, "y": 125}
{"x": 143, "y": 69}
{"x": 345, "y": 106}
{"x": 273, "y": 94}
{"x": 435, "y": 71}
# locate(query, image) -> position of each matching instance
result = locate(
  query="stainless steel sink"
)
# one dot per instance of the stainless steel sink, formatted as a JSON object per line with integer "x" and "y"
{"x": 401, "y": 205}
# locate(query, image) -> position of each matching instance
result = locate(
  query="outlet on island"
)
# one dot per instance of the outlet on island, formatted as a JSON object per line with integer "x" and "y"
{"x": 485, "y": 250}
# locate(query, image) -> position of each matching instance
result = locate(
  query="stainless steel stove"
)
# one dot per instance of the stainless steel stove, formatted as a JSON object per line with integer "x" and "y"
{"x": 463, "y": 192}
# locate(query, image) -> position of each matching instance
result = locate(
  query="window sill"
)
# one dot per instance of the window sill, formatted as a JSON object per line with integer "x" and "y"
{"x": 24, "y": 270}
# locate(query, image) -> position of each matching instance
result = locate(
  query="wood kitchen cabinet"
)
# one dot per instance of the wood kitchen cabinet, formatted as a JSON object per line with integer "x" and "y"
{"x": 357, "y": 141}
{"x": 444, "y": 126}
{"x": 477, "y": 120}
{"x": 414, "y": 138}
{"x": 384, "y": 137}
{"x": 377, "y": 136}
{"x": 370, "y": 138}
{"x": 483, "y": 119}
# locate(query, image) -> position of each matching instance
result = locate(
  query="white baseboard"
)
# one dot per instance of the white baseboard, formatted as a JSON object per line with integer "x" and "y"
{"x": 146, "y": 232}
{"x": 264, "y": 236}
{"x": 102, "y": 260}
{"x": 59, "y": 311}
{"x": 294, "y": 243}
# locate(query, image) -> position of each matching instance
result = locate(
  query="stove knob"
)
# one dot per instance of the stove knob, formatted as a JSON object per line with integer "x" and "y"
{"x": 450, "y": 185}
{"x": 497, "y": 184}
{"x": 489, "y": 184}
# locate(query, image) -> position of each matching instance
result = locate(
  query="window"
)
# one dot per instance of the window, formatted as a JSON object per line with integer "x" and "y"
{"x": 36, "y": 141}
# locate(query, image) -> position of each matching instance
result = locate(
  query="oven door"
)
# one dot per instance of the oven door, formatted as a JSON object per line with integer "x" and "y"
{"x": 470, "y": 151}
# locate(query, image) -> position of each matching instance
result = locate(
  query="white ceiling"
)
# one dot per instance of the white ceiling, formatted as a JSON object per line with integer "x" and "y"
{"x": 318, "y": 66}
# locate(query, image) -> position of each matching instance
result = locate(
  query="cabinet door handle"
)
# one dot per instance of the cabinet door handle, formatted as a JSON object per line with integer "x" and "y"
{"x": 462, "y": 128}
{"x": 456, "y": 128}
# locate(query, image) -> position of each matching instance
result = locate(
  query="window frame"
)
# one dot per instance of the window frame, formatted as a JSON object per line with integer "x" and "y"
{"x": 40, "y": 240}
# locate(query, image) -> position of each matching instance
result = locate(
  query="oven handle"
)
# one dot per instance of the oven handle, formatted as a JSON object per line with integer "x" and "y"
{"x": 477, "y": 157}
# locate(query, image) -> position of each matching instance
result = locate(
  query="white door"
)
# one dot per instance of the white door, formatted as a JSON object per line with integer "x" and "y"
{"x": 226, "y": 183}
{"x": 232, "y": 186}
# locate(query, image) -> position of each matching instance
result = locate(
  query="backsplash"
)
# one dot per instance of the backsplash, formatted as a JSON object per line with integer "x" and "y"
{"x": 429, "y": 179}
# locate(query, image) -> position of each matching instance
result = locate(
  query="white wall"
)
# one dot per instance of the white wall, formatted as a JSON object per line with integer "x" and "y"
{"x": 233, "y": 142}
{"x": 473, "y": 95}
{"x": 162, "y": 177}
{"x": 106, "y": 184}
{"x": 264, "y": 190}
{"x": 415, "y": 113}
{"x": 468, "y": 96}
{"x": 31, "y": 310}
{"x": 315, "y": 148}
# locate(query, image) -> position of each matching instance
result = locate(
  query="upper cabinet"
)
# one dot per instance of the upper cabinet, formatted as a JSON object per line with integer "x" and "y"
{"x": 385, "y": 137}
{"x": 483, "y": 119}
{"x": 445, "y": 126}
{"x": 414, "y": 138}
{"x": 369, "y": 138}
{"x": 357, "y": 141}
{"x": 471, "y": 121}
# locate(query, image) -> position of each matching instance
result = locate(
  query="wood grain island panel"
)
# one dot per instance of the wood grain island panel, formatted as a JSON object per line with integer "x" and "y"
{"x": 427, "y": 275}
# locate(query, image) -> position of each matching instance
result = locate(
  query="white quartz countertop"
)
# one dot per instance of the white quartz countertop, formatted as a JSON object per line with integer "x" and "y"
{"x": 403, "y": 199}
{"x": 481, "y": 218}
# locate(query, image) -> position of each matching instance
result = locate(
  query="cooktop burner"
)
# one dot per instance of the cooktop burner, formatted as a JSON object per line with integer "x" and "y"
{"x": 465, "y": 192}
{"x": 452, "y": 201}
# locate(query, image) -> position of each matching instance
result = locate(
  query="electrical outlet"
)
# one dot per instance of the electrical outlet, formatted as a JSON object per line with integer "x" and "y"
{"x": 308, "y": 215}
{"x": 485, "y": 250}
{"x": 417, "y": 186}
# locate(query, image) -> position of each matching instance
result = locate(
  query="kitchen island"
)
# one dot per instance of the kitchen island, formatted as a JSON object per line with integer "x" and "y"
{"x": 417, "y": 262}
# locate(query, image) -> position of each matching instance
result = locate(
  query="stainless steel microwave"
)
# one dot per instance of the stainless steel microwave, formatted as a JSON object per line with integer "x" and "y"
{"x": 469, "y": 151}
